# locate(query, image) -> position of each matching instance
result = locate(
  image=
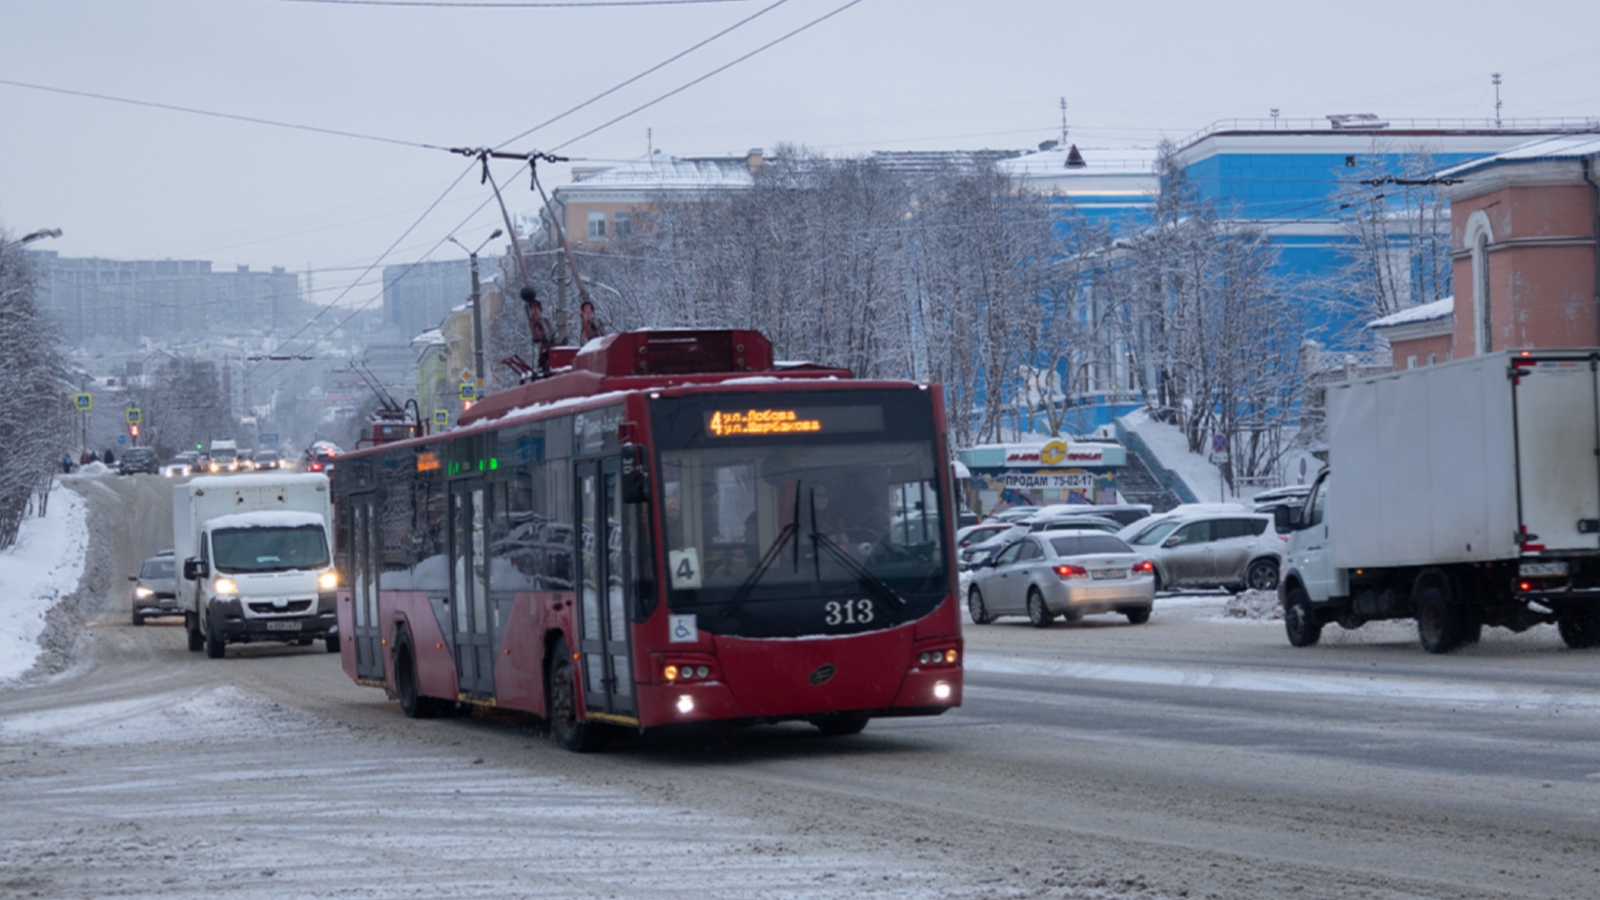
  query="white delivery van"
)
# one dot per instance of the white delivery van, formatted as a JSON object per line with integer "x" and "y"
{"x": 256, "y": 555}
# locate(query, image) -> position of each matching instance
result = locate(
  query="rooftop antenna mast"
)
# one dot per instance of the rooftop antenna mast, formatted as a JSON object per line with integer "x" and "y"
{"x": 1063, "y": 120}
{"x": 1496, "y": 79}
{"x": 649, "y": 143}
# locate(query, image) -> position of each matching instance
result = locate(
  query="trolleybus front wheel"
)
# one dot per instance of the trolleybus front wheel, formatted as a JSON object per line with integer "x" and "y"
{"x": 840, "y": 724}
{"x": 561, "y": 705}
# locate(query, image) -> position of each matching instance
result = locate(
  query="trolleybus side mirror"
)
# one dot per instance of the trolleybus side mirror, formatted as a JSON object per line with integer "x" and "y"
{"x": 635, "y": 483}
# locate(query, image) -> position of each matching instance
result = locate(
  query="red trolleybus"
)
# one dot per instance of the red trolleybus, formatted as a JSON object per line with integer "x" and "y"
{"x": 669, "y": 530}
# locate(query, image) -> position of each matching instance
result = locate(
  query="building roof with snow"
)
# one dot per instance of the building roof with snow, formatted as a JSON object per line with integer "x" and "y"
{"x": 1422, "y": 312}
{"x": 1550, "y": 149}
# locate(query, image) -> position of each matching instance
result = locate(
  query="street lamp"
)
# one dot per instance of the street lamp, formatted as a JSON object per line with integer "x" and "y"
{"x": 36, "y": 236}
{"x": 477, "y": 316}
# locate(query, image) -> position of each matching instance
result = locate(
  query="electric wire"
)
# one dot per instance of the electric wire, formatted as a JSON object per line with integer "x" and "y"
{"x": 255, "y": 120}
{"x": 512, "y": 4}
{"x": 718, "y": 70}
{"x": 658, "y": 66}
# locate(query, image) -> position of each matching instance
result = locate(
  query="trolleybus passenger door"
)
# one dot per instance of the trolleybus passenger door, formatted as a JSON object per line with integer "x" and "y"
{"x": 607, "y": 675}
{"x": 472, "y": 632}
{"x": 365, "y": 563}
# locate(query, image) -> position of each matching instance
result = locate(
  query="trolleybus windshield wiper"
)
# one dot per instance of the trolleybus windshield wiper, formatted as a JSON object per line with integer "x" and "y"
{"x": 790, "y": 532}
{"x": 871, "y": 582}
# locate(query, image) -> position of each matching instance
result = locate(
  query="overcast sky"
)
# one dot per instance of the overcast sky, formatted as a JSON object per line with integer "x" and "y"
{"x": 134, "y": 182}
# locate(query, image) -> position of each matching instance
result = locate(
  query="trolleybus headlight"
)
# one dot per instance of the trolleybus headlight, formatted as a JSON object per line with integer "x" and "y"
{"x": 941, "y": 690}
{"x": 950, "y": 657}
{"x": 225, "y": 586}
{"x": 685, "y": 704}
{"x": 327, "y": 581}
{"x": 670, "y": 673}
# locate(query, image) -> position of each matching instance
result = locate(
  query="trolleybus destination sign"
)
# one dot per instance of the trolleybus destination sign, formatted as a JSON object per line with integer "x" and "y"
{"x": 758, "y": 422}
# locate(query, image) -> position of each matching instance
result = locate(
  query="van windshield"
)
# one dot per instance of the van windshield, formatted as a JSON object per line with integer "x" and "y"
{"x": 269, "y": 549}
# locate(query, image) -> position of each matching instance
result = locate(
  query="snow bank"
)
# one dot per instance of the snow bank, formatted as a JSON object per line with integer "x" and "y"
{"x": 43, "y": 566}
{"x": 1253, "y": 605}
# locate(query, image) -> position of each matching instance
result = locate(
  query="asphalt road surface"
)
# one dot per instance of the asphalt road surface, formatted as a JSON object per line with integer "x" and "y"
{"x": 1190, "y": 757}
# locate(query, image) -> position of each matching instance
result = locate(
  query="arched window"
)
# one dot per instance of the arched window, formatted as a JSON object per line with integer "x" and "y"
{"x": 1478, "y": 236}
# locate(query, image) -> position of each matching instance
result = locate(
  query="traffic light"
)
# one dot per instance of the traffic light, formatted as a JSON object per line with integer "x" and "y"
{"x": 133, "y": 430}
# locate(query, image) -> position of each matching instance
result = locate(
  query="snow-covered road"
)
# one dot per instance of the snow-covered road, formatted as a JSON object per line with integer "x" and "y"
{"x": 1196, "y": 756}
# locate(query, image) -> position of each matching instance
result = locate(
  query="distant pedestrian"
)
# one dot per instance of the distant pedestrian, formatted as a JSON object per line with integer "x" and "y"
{"x": 66, "y": 463}
{"x": 111, "y": 458}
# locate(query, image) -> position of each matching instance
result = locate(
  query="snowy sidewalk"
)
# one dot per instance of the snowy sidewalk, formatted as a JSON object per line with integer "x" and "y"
{"x": 35, "y": 573}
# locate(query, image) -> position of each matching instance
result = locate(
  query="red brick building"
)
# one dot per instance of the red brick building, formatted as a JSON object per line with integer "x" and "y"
{"x": 1526, "y": 267}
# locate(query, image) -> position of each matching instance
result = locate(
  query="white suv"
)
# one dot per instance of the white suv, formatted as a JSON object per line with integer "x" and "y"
{"x": 1233, "y": 550}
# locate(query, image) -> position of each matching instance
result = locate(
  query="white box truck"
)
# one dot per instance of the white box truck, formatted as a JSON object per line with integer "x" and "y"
{"x": 1461, "y": 495}
{"x": 256, "y": 558}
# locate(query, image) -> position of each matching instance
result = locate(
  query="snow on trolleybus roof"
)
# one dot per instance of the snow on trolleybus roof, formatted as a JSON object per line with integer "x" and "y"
{"x": 667, "y": 528}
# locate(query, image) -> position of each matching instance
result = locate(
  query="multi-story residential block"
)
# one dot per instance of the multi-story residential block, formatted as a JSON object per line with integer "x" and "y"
{"x": 162, "y": 300}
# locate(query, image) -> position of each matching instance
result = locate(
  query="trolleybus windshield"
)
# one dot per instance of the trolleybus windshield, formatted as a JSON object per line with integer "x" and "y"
{"x": 802, "y": 514}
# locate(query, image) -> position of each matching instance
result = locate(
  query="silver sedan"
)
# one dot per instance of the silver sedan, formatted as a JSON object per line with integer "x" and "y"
{"x": 1070, "y": 574}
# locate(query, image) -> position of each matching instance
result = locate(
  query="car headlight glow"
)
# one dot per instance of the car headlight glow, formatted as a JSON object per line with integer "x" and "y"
{"x": 328, "y": 580}
{"x": 225, "y": 586}
{"x": 143, "y": 592}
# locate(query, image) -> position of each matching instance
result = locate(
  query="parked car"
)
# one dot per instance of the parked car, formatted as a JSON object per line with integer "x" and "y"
{"x": 1232, "y": 550}
{"x": 1074, "y": 523}
{"x": 992, "y": 543}
{"x": 1123, "y": 513}
{"x": 138, "y": 459}
{"x": 1278, "y": 502}
{"x": 968, "y": 535}
{"x": 965, "y": 517}
{"x": 1070, "y": 574}
{"x": 155, "y": 588}
{"x": 1012, "y": 514}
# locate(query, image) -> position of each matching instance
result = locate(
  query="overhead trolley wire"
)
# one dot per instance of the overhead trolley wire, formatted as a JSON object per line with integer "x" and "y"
{"x": 718, "y": 70}
{"x": 479, "y": 155}
{"x": 255, "y": 120}
{"x": 657, "y": 67}
{"x": 512, "y": 4}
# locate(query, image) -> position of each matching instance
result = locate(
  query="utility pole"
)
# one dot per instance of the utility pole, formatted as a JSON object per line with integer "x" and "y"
{"x": 1063, "y": 121}
{"x": 477, "y": 313}
{"x": 1496, "y": 79}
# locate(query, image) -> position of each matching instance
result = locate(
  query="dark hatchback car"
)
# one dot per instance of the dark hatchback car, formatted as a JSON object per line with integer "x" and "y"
{"x": 267, "y": 459}
{"x": 138, "y": 459}
{"x": 155, "y": 588}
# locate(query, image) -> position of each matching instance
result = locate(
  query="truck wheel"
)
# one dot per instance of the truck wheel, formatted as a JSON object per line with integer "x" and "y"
{"x": 561, "y": 704}
{"x": 1038, "y": 614}
{"x": 1262, "y": 576}
{"x": 332, "y": 643}
{"x": 215, "y": 645}
{"x": 1300, "y": 620}
{"x": 191, "y": 627}
{"x": 976, "y": 609}
{"x": 1438, "y": 623}
{"x": 1580, "y": 630}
